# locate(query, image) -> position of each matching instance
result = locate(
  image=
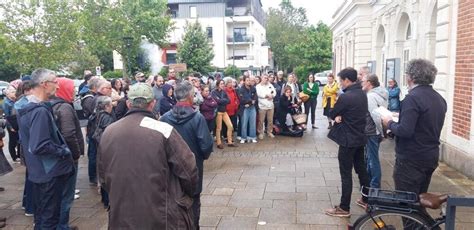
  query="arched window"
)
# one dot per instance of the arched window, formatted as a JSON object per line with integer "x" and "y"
{"x": 408, "y": 37}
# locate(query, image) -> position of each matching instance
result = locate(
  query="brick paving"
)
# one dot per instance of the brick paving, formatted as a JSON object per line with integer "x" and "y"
{"x": 280, "y": 183}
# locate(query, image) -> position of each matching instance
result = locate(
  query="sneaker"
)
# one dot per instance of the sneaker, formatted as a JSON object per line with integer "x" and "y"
{"x": 29, "y": 214}
{"x": 77, "y": 191}
{"x": 271, "y": 135}
{"x": 260, "y": 136}
{"x": 239, "y": 138}
{"x": 338, "y": 212}
{"x": 242, "y": 141}
{"x": 254, "y": 141}
{"x": 361, "y": 203}
{"x": 314, "y": 127}
{"x": 76, "y": 197}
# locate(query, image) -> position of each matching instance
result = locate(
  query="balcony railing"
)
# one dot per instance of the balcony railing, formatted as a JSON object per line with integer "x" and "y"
{"x": 242, "y": 57}
{"x": 241, "y": 39}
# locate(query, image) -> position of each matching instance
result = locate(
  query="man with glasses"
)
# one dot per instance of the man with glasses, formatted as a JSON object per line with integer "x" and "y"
{"x": 49, "y": 160}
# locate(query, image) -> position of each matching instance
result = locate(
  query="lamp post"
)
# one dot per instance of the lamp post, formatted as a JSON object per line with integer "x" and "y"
{"x": 128, "y": 45}
{"x": 233, "y": 42}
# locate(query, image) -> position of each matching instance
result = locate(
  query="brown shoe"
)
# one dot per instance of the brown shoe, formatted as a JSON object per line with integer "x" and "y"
{"x": 361, "y": 203}
{"x": 338, "y": 212}
{"x": 231, "y": 145}
{"x": 221, "y": 146}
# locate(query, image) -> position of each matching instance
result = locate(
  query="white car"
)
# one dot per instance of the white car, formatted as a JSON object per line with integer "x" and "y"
{"x": 322, "y": 77}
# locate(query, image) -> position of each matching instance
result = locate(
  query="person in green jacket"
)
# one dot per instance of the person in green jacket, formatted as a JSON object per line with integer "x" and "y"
{"x": 311, "y": 88}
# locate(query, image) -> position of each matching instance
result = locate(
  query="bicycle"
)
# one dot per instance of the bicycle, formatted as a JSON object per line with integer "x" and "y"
{"x": 390, "y": 210}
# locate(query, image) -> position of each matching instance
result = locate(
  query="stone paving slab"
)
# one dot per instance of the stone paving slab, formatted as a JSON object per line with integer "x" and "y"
{"x": 279, "y": 183}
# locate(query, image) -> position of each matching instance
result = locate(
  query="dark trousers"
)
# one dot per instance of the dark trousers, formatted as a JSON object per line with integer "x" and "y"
{"x": 349, "y": 158}
{"x": 48, "y": 197}
{"x": 28, "y": 199}
{"x": 311, "y": 105}
{"x": 13, "y": 145}
{"x": 211, "y": 125}
{"x": 68, "y": 199}
{"x": 413, "y": 176}
{"x": 92, "y": 156}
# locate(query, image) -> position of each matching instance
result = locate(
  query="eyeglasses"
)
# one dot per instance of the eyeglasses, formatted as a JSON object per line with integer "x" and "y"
{"x": 54, "y": 82}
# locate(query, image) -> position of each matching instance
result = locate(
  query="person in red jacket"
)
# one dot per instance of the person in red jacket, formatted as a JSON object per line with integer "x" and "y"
{"x": 233, "y": 107}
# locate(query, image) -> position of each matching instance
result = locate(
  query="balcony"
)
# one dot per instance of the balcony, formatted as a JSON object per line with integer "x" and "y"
{"x": 240, "y": 39}
{"x": 242, "y": 57}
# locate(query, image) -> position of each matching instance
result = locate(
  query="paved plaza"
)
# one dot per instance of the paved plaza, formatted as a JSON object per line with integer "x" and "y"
{"x": 280, "y": 183}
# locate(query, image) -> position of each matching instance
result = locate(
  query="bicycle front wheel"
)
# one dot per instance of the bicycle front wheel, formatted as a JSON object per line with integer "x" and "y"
{"x": 389, "y": 220}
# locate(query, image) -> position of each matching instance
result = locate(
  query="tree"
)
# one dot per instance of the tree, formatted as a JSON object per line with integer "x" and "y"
{"x": 106, "y": 24}
{"x": 284, "y": 26}
{"x": 232, "y": 70}
{"x": 314, "y": 49}
{"x": 194, "y": 49}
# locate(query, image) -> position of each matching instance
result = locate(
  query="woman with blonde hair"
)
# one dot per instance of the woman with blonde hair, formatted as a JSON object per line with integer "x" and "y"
{"x": 330, "y": 91}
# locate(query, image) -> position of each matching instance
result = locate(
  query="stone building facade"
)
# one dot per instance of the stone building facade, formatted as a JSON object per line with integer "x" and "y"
{"x": 386, "y": 34}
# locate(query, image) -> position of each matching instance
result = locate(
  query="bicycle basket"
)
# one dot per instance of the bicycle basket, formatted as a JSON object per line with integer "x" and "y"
{"x": 391, "y": 197}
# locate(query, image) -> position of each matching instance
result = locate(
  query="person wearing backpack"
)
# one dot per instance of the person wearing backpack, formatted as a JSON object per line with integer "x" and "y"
{"x": 68, "y": 124}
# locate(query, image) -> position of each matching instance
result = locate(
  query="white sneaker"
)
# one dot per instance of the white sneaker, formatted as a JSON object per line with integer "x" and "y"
{"x": 271, "y": 135}
{"x": 29, "y": 214}
{"x": 242, "y": 141}
{"x": 254, "y": 141}
{"x": 77, "y": 191}
{"x": 239, "y": 138}
{"x": 76, "y": 197}
{"x": 260, "y": 136}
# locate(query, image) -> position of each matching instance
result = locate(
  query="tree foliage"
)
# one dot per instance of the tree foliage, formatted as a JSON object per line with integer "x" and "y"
{"x": 194, "y": 49}
{"x": 232, "y": 70}
{"x": 77, "y": 35}
{"x": 297, "y": 46}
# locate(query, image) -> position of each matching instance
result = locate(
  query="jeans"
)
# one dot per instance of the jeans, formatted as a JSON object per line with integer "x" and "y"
{"x": 311, "y": 105}
{"x": 249, "y": 119}
{"x": 92, "y": 156}
{"x": 48, "y": 198}
{"x": 28, "y": 199}
{"x": 262, "y": 114}
{"x": 222, "y": 116}
{"x": 373, "y": 162}
{"x": 348, "y": 158}
{"x": 68, "y": 199}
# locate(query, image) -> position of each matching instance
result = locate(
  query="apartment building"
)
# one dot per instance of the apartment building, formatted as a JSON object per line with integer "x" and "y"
{"x": 235, "y": 29}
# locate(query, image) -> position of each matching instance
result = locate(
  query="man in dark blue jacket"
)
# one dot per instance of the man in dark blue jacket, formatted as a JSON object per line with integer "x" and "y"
{"x": 192, "y": 126}
{"x": 349, "y": 113}
{"x": 49, "y": 160}
{"x": 418, "y": 130}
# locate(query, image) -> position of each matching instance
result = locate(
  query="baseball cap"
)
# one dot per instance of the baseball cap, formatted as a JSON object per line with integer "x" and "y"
{"x": 140, "y": 90}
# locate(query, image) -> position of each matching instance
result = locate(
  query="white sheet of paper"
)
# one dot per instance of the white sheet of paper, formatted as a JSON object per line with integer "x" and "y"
{"x": 385, "y": 112}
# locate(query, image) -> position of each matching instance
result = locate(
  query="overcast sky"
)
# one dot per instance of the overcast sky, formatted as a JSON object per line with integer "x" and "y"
{"x": 315, "y": 9}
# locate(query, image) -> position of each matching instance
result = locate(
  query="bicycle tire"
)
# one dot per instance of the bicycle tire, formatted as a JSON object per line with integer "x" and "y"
{"x": 391, "y": 220}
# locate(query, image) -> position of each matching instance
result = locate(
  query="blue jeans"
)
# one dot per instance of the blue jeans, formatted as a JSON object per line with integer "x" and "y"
{"x": 68, "y": 199}
{"x": 28, "y": 199}
{"x": 92, "y": 156}
{"x": 249, "y": 120}
{"x": 373, "y": 162}
{"x": 48, "y": 198}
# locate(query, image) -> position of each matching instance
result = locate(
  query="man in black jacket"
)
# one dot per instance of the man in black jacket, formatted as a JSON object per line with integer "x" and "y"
{"x": 418, "y": 130}
{"x": 349, "y": 114}
{"x": 192, "y": 126}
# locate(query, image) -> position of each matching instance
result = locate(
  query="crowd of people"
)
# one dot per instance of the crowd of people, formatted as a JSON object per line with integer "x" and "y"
{"x": 147, "y": 139}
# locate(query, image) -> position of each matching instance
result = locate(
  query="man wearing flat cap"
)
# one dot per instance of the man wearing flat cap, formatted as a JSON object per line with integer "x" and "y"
{"x": 148, "y": 170}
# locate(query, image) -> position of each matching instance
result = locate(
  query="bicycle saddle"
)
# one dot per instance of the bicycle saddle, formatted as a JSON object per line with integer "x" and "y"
{"x": 432, "y": 201}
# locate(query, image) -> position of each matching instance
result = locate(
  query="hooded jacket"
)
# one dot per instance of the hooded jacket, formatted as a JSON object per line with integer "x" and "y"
{"x": 377, "y": 97}
{"x": 192, "y": 126}
{"x": 166, "y": 102}
{"x": 145, "y": 163}
{"x": 45, "y": 150}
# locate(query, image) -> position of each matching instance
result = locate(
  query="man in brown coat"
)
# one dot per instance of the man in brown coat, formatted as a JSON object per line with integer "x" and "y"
{"x": 148, "y": 170}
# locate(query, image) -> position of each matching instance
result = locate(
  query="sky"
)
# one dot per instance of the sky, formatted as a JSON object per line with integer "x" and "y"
{"x": 316, "y": 10}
